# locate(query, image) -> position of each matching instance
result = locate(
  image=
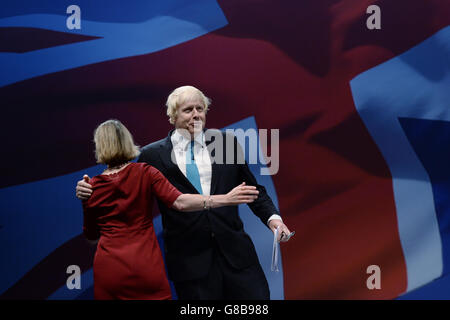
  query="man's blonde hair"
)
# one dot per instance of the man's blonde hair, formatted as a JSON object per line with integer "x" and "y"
{"x": 114, "y": 144}
{"x": 180, "y": 95}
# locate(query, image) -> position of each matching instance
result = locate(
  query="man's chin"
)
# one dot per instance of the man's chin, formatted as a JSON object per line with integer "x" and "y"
{"x": 195, "y": 129}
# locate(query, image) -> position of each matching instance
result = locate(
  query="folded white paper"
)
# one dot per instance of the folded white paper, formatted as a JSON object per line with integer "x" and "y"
{"x": 274, "y": 266}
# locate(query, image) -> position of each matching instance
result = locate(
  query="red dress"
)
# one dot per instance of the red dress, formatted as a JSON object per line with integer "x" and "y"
{"x": 128, "y": 263}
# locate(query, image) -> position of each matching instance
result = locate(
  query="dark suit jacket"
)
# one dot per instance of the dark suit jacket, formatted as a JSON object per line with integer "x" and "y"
{"x": 189, "y": 237}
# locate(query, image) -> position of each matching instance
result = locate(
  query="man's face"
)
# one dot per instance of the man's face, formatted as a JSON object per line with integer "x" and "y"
{"x": 191, "y": 115}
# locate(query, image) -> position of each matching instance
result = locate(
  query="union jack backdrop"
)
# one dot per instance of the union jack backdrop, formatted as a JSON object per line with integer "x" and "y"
{"x": 363, "y": 116}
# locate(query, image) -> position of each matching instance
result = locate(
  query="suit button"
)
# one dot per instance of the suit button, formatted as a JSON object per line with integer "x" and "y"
{"x": 212, "y": 234}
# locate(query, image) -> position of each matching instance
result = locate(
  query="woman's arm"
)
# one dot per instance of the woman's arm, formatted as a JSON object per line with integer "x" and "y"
{"x": 196, "y": 202}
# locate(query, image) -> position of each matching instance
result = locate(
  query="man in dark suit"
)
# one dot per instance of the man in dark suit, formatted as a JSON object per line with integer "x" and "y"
{"x": 208, "y": 253}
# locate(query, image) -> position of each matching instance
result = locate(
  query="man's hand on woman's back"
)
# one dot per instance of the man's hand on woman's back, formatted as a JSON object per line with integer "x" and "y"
{"x": 83, "y": 191}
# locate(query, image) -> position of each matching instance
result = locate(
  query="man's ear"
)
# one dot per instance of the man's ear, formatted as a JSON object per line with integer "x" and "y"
{"x": 175, "y": 116}
{"x": 174, "y": 119}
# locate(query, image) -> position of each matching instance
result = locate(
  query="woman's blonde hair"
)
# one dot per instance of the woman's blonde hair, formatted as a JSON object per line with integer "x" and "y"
{"x": 180, "y": 95}
{"x": 114, "y": 144}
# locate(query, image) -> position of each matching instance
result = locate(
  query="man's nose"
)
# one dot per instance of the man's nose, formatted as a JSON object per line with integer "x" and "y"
{"x": 195, "y": 114}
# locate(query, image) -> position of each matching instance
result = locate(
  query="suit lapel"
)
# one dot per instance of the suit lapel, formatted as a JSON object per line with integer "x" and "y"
{"x": 214, "y": 175}
{"x": 214, "y": 169}
{"x": 171, "y": 166}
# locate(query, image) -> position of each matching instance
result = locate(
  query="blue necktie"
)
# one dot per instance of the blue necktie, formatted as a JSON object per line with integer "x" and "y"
{"x": 192, "y": 170}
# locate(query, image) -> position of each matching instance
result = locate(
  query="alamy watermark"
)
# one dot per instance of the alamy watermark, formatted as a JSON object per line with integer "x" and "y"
{"x": 74, "y": 280}
{"x": 374, "y": 281}
{"x": 74, "y": 20}
{"x": 230, "y": 147}
{"x": 374, "y": 20}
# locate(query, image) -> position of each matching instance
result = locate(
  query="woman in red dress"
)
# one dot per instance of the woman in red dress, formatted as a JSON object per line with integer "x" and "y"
{"x": 128, "y": 263}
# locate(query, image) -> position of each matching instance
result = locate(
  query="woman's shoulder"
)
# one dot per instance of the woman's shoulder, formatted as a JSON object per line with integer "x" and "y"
{"x": 145, "y": 167}
{"x": 148, "y": 171}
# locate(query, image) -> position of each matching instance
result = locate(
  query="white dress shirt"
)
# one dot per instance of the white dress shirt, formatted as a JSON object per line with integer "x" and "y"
{"x": 201, "y": 155}
{"x": 202, "y": 159}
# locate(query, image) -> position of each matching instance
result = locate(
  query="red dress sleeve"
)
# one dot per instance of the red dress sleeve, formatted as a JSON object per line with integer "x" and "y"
{"x": 162, "y": 188}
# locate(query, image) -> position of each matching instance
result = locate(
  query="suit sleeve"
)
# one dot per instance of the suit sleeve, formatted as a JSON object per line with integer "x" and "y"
{"x": 263, "y": 206}
{"x": 143, "y": 156}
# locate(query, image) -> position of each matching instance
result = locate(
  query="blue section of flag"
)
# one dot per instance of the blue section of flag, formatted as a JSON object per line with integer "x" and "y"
{"x": 35, "y": 219}
{"x": 431, "y": 142}
{"x": 98, "y": 10}
{"x": 86, "y": 288}
{"x": 187, "y": 20}
{"x": 438, "y": 289}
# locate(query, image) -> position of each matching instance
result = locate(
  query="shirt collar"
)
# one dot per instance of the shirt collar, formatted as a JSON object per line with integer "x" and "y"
{"x": 179, "y": 141}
